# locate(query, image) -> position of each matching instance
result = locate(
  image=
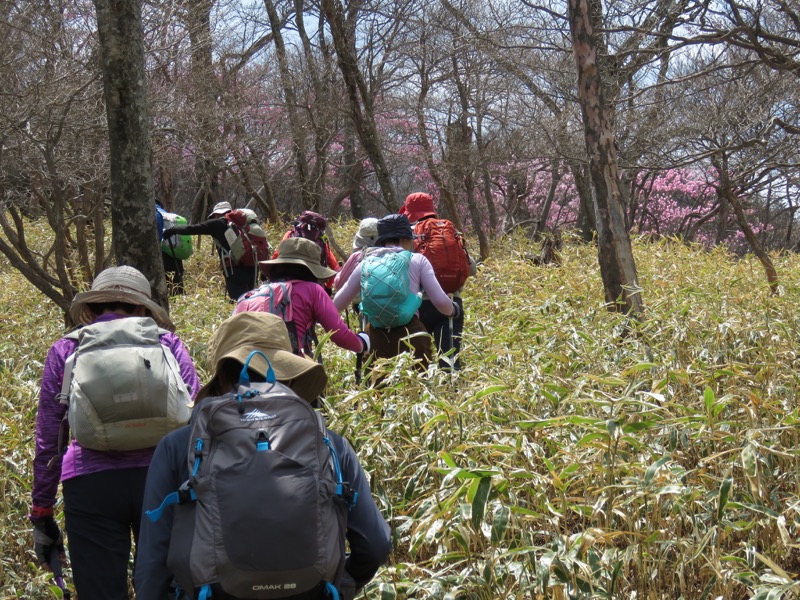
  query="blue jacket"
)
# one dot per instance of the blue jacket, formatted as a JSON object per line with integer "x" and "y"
{"x": 367, "y": 532}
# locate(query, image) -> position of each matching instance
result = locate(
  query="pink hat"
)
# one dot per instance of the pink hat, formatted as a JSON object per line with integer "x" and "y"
{"x": 418, "y": 206}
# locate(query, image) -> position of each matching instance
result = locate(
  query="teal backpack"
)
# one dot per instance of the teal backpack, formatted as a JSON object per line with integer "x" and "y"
{"x": 386, "y": 299}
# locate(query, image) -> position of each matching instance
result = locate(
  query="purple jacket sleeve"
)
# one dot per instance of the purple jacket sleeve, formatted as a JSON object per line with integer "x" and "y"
{"x": 347, "y": 269}
{"x": 46, "y": 462}
{"x": 349, "y": 290}
{"x": 188, "y": 371}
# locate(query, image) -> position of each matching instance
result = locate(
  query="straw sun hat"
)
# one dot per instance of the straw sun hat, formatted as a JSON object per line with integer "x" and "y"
{"x": 244, "y": 332}
{"x": 118, "y": 284}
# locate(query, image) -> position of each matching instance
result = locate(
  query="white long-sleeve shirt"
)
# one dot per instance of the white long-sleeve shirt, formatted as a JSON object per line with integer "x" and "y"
{"x": 421, "y": 278}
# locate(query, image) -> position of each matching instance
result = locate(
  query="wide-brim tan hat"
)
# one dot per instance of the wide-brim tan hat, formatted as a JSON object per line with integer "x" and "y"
{"x": 244, "y": 332}
{"x": 299, "y": 251}
{"x": 118, "y": 284}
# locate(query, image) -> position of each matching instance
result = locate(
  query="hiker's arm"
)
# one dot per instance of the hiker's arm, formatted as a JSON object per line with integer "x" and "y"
{"x": 429, "y": 283}
{"x": 216, "y": 228}
{"x": 349, "y": 290}
{"x": 347, "y": 269}
{"x": 188, "y": 370}
{"x": 328, "y": 317}
{"x": 367, "y": 531}
{"x": 152, "y": 578}
{"x": 46, "y": 461}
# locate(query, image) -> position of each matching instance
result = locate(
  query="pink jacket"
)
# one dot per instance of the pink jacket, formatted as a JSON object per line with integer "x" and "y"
{"x": 310, "y": 305}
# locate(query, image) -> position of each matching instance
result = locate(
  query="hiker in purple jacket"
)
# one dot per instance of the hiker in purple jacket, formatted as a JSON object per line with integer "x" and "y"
{"x": 102, "y": 490}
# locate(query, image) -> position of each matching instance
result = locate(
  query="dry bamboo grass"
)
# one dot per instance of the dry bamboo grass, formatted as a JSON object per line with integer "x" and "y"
{"x": 565, "y": 460}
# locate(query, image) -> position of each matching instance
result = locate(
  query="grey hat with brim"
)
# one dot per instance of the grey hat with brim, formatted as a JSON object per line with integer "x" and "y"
{"x": 244, "y": 332}
{"x": 298, "y": 251}
{"x": 220, "y": 208}
{"x": 367, "y": 233}
{"x": 118, "y": 284}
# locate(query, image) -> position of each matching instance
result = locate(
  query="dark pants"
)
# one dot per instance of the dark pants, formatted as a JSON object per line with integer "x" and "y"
{"x": 240, "y": 280}
{"x": 439, "y": 326}
{"x": 174, "y": 271}
{"x": 100, "y": 512}
{"x": 386, "y": 343}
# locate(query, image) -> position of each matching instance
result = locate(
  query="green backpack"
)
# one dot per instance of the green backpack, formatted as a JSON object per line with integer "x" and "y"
{"x": 178, "y": 246}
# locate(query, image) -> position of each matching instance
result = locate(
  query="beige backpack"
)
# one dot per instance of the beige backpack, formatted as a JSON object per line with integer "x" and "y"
{"x": 123, "y": 387}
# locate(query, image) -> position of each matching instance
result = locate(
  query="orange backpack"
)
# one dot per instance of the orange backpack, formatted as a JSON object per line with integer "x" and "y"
{"x": 443, "y": 246}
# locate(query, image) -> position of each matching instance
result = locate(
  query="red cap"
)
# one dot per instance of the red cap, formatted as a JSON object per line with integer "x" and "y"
{"x": 418, "y": 206}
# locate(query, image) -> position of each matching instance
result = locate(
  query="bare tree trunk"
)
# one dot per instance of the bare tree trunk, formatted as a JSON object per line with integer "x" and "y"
{"x": 463, "y": 142}
{"x": 203, "y": 82}
{"x": 617, "y": 267}
{"x": 135, "y": 239}
{"x": 551, "y": 194}
{"x": 361, "y": 110}
{"x": 352, "y": 165}
{"x": 290, "y": 102}
{"x": 726, "y": 194}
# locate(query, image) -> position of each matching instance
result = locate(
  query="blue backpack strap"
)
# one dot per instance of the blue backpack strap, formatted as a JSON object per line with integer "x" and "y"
{"x": 244, "y": 376}
{"x": 343, "y": 490}
{"x": 332, "y": 591}
{"x": 205, "y": 593}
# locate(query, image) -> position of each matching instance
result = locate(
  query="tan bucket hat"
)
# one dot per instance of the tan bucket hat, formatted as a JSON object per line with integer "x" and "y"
{"x": 244, "y": 332}
{"x": 118, "y": 284}
{"x": 298, "y": 251}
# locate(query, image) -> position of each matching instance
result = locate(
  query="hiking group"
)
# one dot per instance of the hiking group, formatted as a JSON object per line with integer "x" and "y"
{"x": 236, "y": 488}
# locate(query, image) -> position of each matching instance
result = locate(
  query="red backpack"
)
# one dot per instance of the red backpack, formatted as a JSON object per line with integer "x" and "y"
{"x": 443, "y": 246}
{"x": 248, "y": 243}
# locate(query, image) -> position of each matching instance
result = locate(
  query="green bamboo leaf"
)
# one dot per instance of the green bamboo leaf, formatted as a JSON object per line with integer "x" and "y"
{"x": 709, "y": 399}
{"x": 493, "y": 389}
{"x": 480, "y": 495}
{"x": 653, "y": 469}
{"x": 724, "y": 490}
{"x": 500, "y": 523}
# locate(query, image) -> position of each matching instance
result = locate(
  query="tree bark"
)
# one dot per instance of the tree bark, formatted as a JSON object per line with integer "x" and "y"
{"x": 361, "y": 110}
{"x": 617, "y": 267}
{"x": 135, "y": 239}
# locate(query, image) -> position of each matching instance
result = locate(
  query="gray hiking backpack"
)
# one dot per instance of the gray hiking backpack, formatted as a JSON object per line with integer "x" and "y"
{"x": 123, "y": 388}
{"x": 263, "y": 513}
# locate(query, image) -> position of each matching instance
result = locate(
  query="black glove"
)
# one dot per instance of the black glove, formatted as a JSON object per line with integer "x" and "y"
{"x": 456, "y": 311}
{"x": 47, "y": 538}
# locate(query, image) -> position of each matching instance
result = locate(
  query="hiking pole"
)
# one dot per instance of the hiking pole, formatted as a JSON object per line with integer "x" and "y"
{"x": 362, "y": 321}
{"x": 58, "y": 573}
{"x": 452, "y": 358}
